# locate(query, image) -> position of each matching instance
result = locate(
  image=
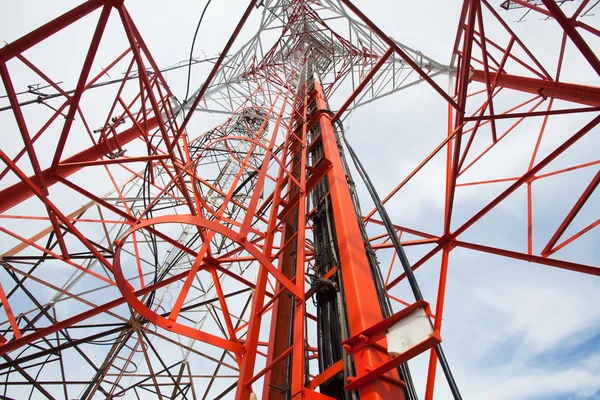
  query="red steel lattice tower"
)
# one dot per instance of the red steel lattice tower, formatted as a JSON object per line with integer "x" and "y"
{"x": 236, "y": 261}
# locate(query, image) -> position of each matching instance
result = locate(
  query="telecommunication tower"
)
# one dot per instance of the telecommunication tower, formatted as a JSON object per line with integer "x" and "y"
{"x": 237, "y": 261}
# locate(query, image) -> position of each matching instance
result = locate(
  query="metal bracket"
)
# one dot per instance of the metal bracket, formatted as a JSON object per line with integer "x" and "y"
{"x": 369, "y": 338}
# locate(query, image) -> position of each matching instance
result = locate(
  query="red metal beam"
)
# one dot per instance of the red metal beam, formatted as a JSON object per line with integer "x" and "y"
{"x": 43, "y": 332}
{"x": 361, "y": 297}
{"x": 528, "y": 175}
{"x": 390, "y": 42}
{"x": 582, "y": 94}
{"x": 83, "y": 76}
{"x": 362, "y": 84}
{"x": 217, "y": 65}
{"x": 569, "y": 28}
{"x": 572, "y": 214}
{"x": 533, "y": 114}
{"x": 280, "y": 320}
{"x": 570, "y": 266}
{"x": 461, "y": 89}
{"x": 43, "y": 32}
{"x": 19, "y": 192}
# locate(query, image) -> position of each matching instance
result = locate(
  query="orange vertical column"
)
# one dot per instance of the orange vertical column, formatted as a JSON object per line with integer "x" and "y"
{"x": 361, "y": 297}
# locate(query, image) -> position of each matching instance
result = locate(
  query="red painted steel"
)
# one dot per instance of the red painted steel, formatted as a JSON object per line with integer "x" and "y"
{"x": 249, "y": 231}
{"x": 362, "y": 304}
{"x": 589, "y": 95}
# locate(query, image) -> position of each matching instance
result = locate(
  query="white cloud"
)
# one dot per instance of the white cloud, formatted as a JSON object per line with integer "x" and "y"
{"x": 541, "y": 382}
{"x": 546, "y": 316}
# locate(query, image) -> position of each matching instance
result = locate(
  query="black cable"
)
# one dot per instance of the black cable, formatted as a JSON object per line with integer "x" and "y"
{"x": 146, "y": 197}
{"x": 146, "y": 188}
{"x": 97, "y": 85}
{"x": 403, "y": 259}
{"x": 187, "y": 90}
{"x": 384, "y": 301}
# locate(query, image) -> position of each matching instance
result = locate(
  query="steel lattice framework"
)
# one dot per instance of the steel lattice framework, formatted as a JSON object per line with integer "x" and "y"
{"x": 237, "y": 260}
